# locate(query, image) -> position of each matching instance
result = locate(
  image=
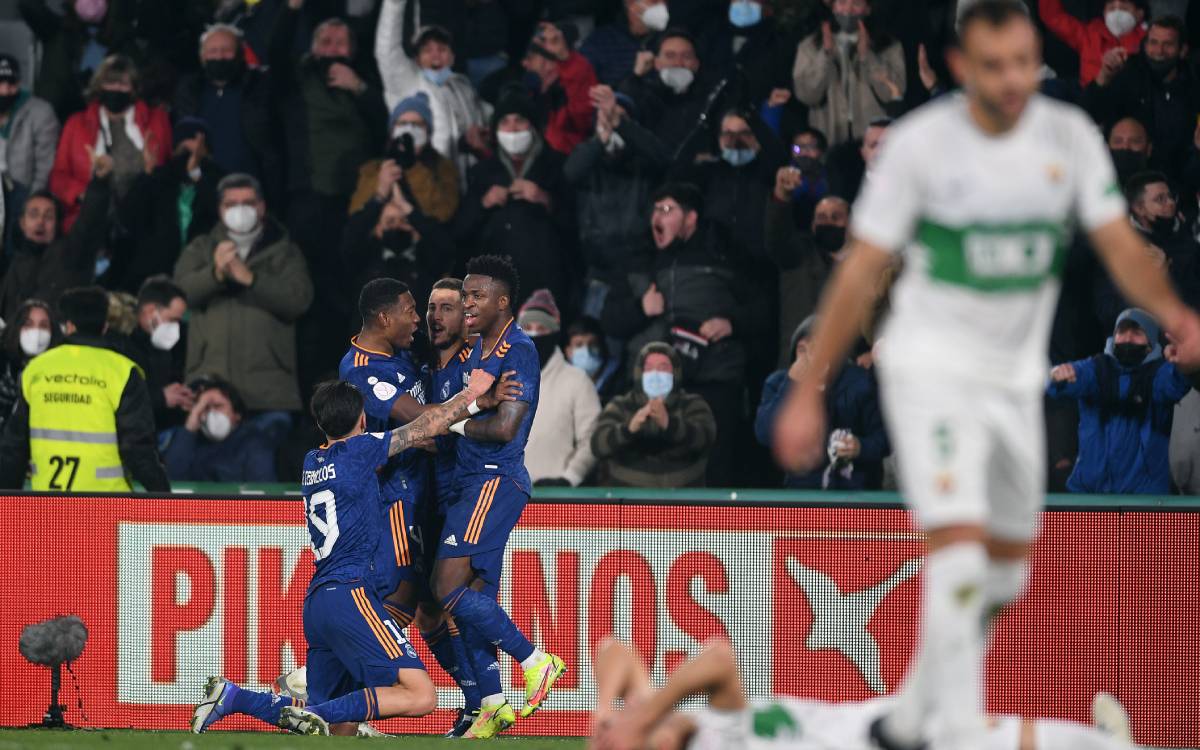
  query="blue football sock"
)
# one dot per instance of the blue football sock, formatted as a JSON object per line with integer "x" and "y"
{"x": 487, "y": 618}
{"x": 447, "y": 649}
{"x": 265, "y": 706}
{"x": 481, "y": 654}
{"x": 355, "y": 707}
{"x": 466, "y": 671}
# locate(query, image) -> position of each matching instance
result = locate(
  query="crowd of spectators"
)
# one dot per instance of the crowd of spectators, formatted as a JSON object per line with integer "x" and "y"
{"x": 673, "y": 180}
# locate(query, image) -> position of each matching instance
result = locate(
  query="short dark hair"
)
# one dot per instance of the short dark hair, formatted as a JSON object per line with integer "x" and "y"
{"x": 236, "y": 181}
{"x": 160, "y": 291}
{"x": 994, "y": 13}
{"x": 676, "y": 32}
{"x": 378, "y": 295}
{"x": 587, "y": 326}
{"x": 1135, "y": 186}
{"x": 1174, "y": 23}
{"x": 225, "y": 388}
{"x": 453, "y": 284}
{"x": 86, "y": 307}
{"x": 822, "y": 141}
{"x": 339, "y": 23}
{"x": 686, "y": 194}
{"x": 337, "y": 406}
{"x": 499, "y": 268}
{"x": 46, "y": 195}
{"x": 432, "y": 33}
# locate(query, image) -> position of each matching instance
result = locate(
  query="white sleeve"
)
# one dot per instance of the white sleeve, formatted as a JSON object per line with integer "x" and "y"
{"x": 399, "y": 72}
{"x": 1098, "y": 197}
{"x": 889, "y": 204}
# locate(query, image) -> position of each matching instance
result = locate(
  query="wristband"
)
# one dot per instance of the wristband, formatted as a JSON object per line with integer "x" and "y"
{"x": 473, "y": 408}
{"x": 460, "y": 428}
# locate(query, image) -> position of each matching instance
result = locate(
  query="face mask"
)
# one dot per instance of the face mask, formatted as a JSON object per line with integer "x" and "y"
{"x": 34, "y": 341}
{"x": 1119, "y": 22}
{"x": 847, "y": 22}
{"x": 1130, "y": 355}
{"x": 808, "y": 165}
{"x": 115, "y": 101}
{"x": 587, "y": 359}
{"x": 515, "y": 143}
{"x": 165, "y": 336}
{"x": 744, "y": 13}
{"x": 545, "y": 345}
{"x": 91, "y": 11}
{"x": 1127, "y": 163}
{"x": 677, "y": 79}
{"x": 240, "y": 219}
{"x": 615, "y": 144}
{"x": 829, "y": 238}
{"x": 1161, "y": 68}
{"x": 101, "y": 267}
{"x": 216, "y": 425}
{"x": 656, "y": 17}
{"x": 738, "y": 157}
{"x": 418, "y": 134}
{"x": 7, "y": 101}
{"x": 437, "y": 76}
{"x": 1163, "y": 226}
{"x": 657, "y": 384}
{"x": 396, "y": 239}
{"x": 224, "y": 71}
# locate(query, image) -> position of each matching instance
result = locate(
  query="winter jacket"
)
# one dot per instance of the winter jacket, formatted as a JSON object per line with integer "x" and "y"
{"x": 73, "y": 167}
{"x": 69, "y": 261}
{"x": 247, "y": 335}
{"x": 256, "y": 121}
{"x": 1090, "y": 39}
{"x": 161, "y": 368}
{"x": 329, "y": 131}
{"x": 560, "y": 440}
{"x": 759, "y": 64}
{"x": 418, "y": 263}
{"x": 1124, "y": 434}
{"x": 1167, "y": 108}
{"x": 842, "y": 92}
{"x": 653, "y": 457}
{"x": 851, "y": 404}
{"x": 432, "y": 182}
{"x": 612, "y": 51}
{"x": 247, "y": 455}
{"x": 531, "y": 233}
{"x": 672, "y": 117}
{"x": 698, "y": 282}
{"x": 570, "y": 123}
{"x": 32, "y": 133}
{"x": 803, "y": 271}
{"x": 456, "y": 105}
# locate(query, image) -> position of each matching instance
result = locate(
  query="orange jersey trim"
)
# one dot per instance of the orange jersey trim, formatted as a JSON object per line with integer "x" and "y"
{"x": 486, "y": 494}
{"x": 375, "y": 624}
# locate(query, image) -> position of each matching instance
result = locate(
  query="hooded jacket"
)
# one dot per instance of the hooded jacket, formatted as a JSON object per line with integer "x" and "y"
{"x": 1125, "y": 417}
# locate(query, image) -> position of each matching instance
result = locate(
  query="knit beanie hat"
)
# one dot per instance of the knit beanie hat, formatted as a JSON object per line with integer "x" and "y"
{"x": 541, "y": 309}
{"x": 419, "y": 103}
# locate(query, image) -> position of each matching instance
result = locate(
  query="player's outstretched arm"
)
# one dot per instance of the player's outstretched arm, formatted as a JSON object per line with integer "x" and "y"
{"x": 431, "y": 423}
{"x": 1146, "y": 285}
{"x": 799, "y": 437}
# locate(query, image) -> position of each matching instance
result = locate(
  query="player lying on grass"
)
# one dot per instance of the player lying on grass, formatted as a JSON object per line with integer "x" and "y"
{"x": 731, "y": 721}
{"x": 360, "y": 667}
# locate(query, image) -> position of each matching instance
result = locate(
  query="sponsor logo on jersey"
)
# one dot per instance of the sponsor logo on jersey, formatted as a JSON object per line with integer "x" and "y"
{"x": 383, "y": 391}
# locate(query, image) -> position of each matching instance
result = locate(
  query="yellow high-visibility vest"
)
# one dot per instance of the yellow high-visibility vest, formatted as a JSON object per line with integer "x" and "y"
{"x": 73, "y": 393}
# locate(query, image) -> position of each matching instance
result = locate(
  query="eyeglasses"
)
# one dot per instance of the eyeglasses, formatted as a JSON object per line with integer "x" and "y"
{"x": 664, "y": 208}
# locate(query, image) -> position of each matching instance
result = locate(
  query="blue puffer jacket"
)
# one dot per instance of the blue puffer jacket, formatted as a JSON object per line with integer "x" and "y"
{"x": 852, "y": 404}
{"x": 1125, "y": 419}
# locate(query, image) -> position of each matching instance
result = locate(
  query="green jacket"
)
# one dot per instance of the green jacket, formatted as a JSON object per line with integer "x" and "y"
{"x": 653, "y": 457}
{"x": 247, "y": 335}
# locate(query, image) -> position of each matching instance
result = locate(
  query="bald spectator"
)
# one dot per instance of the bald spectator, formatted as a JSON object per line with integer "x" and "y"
{"x": 1117, "y": 32}
{"x": 805, "y": 259}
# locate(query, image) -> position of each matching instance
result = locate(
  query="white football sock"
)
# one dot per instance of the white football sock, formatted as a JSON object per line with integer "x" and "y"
{"x": 1066, "y": 735}
{"x": 952, "y": 610}
{"x": 1006, "y": 581}
{"x": 490, "y": 701}
{"x": 533, "y": 659}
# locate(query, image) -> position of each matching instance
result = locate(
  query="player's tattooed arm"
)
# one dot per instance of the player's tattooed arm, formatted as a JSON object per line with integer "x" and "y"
{"x": 406, "y": 408}
{"x": 431, "y": 423}
{"x": 502, "y": 426}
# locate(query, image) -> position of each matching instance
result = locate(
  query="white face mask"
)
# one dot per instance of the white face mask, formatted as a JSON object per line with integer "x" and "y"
{"x": 1119, "y": 22}
{"x": 515, "y": 143}
{"x": 240, "y": 219}
{"x": 419, "y": 136}
{"x": 677, "y": 79}
{"x": 165, "y": 336}
{"x": 216, "y": 425}
{"x": 656, "y": 17}
{"x": 34, "y": 341}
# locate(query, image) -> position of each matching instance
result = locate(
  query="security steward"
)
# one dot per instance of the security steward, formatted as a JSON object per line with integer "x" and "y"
{"x": 84, "y": 420}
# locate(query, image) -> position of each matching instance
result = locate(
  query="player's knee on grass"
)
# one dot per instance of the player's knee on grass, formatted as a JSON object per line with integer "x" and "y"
{"x": 344, "y": 729}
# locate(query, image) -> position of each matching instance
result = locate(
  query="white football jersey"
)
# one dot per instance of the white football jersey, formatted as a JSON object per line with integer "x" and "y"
{"x": 789, "y": 724}
{"x": 983, "y": 223}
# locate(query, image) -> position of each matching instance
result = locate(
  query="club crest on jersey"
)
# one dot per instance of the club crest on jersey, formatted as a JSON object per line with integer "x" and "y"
{"x": 1055, "y": 173}
{"x": 445, "y": 390}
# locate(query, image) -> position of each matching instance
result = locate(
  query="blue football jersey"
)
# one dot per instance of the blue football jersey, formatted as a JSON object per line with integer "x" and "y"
{"x": 448, "y": 382}
{"x": 515, "y": 352}
{"x": 342, "y": 501}
{"x": 383, "y": 378}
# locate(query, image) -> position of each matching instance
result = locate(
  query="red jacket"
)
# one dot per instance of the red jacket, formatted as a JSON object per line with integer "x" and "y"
{"x": 72, "y": 169}
{"x": 1090, "y": 39}
{"x": 571, "y": 124}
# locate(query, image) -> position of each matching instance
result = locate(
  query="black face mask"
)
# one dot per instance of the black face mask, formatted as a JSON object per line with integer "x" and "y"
{"x": 1161, "y": 68}
{"x": 403, "y": 151}
{"x": 396, "y": 239}
{"x": 545, "y": 344}
{"x": 7, "y": 101}
{"x": 1130, "y": 355}
{"x": 829, "y": 238}
{"x": 807, "y": 165}
{"x": 26, "y": 245}
{"x": 1127, "y": 163}
{"x": 116, "y": 101}
{"x": 325, "y": 63}
{"x": 224, "y": 71}
{"x": 1163, "y": 226}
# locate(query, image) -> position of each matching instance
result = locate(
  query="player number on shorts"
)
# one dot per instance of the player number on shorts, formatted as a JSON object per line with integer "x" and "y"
{"x": 65, "y": 468}
{"x": 326, "y": 527}
{"x": 391, "y": 626}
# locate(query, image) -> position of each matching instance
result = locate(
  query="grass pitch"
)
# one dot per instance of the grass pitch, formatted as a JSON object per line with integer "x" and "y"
{"x": 117, "y": 739}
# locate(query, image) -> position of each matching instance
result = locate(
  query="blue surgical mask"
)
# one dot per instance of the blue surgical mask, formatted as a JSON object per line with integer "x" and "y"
{"x": 738, "y": 157}
{"x": 587, "y": 360}
{"x": 102, "y": 265}
{"x": 437, "y": 77}
{"x": 745, "y": 13}
{"x": 657, "y": 384}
